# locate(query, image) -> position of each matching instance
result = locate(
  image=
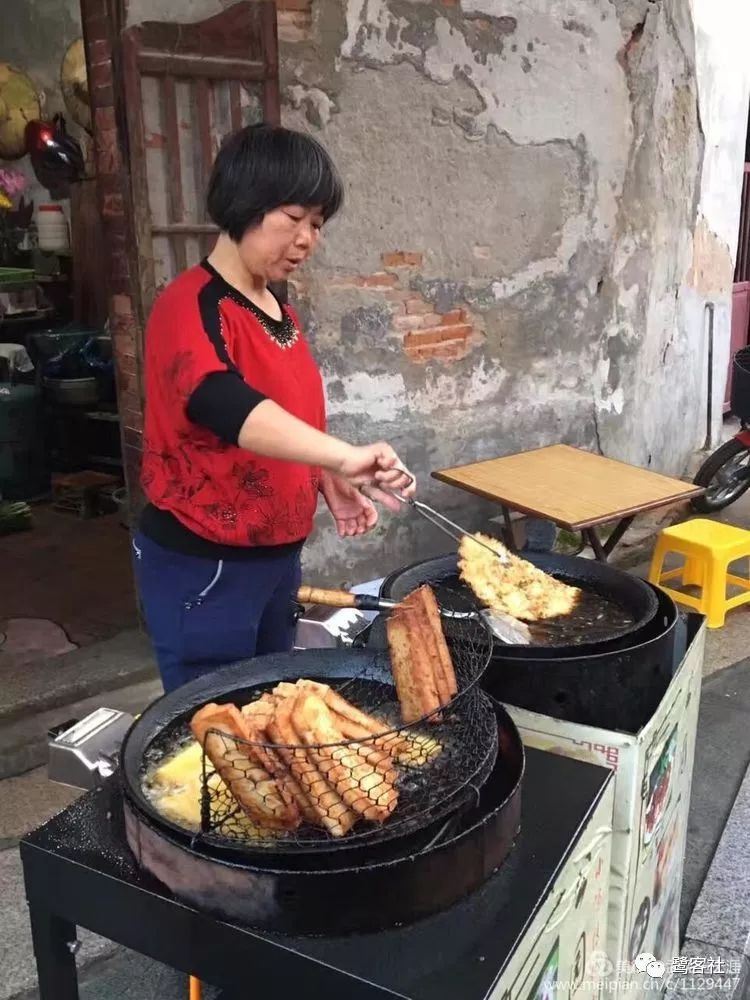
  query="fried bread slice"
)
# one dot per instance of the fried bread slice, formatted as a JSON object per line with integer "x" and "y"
{"x": 364, "y": 778}
{"x": 514, "y": 587}
{"x": 221, "y": 731}
{"x": 329, "y": 808}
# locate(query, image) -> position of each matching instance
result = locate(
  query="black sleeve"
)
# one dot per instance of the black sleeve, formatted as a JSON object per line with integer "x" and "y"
{"x": 222, "y": 402}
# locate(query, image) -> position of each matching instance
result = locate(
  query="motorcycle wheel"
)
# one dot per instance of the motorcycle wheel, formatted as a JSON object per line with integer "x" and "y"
{"x": 721, "y": 475}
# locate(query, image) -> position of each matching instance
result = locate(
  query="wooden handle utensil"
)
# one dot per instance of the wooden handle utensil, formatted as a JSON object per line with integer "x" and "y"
{"x": 329, "y": 598}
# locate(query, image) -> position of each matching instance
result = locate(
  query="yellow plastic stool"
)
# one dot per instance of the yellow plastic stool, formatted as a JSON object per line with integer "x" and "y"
{"x": 709, "y": 548}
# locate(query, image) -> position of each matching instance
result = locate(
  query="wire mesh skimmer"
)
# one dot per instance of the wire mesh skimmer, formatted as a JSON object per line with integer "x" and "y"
{"x": 354, "y": 792}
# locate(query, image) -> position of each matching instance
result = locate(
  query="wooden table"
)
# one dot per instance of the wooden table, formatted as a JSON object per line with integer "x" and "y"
{"x": 573, "y": 488}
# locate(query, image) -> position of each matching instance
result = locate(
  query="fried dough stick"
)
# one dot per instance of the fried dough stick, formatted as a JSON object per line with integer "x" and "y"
{"x": 410, "y": 663}
{"x": 353, "y": 723}
{"x": 409, "y": 749}
{"x": 330, "y": 810}
{"x": 258, "y": 715}
{"x": 255, "y": 789}
{"x": 423, "y": 605}
{"x": 356, "y": 774}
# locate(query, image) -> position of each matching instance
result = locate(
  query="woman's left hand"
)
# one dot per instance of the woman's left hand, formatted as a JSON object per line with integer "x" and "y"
{"x": 353, "y": 513}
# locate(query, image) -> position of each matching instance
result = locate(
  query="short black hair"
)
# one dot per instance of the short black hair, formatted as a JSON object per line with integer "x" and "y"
{"x": 261, "y": 167}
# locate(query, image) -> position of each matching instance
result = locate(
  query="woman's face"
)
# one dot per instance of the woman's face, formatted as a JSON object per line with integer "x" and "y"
{"x": 283, "y": 240}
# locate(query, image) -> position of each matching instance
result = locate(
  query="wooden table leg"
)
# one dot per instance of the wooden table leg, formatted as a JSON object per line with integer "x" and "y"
{"x": 510, "y": 541}
{"x": 617, "y": 534}
{"x": 596, "y": 544}
{"x": 54, "y": 942}
{"x": 603, "y": 550}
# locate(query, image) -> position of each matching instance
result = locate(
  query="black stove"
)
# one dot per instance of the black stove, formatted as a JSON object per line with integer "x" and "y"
{"x": 80, "y": 872}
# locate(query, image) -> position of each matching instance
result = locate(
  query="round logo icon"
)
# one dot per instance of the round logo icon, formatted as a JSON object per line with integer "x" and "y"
{"x": 599, "y": 964}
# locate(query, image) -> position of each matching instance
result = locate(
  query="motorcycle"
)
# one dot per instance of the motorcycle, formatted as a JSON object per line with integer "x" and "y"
{"x": 726, "y": 473}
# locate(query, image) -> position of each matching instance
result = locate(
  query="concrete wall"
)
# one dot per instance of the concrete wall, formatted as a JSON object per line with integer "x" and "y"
{"x": 544, "y": 168}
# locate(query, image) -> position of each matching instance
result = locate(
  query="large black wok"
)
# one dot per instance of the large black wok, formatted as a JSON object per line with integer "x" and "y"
{"x": 614, "y": 684}
{"x": 613, "y": 689}
{"x": 631, "y": 593}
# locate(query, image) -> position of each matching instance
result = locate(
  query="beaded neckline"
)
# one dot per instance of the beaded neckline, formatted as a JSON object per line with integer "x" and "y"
{"x": 283, "y": 331}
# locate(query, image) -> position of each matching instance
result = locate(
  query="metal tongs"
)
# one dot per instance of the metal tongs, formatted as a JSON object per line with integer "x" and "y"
{"x": 440, "y": 521}
{"x": 504, "y": 627}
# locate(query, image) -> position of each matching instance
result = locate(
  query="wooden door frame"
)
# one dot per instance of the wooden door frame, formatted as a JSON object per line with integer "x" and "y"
{"x": 115, "y": 55}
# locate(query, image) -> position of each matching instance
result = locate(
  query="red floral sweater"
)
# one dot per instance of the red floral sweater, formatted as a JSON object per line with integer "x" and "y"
{"x": 212, "y": 491}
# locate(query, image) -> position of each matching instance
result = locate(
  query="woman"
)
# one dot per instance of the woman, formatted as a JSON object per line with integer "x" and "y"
{"x": 235, "y": 449}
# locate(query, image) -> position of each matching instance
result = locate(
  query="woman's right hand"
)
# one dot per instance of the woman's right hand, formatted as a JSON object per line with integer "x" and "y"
{"x": 378, "y": 465}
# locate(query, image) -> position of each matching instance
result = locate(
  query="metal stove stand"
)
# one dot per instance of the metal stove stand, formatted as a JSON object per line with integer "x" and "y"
{"x": 79, "y": 872}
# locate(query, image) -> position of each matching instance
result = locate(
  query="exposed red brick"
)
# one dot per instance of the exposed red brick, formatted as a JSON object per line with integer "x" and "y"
{"x": 93, "y": 11}
{"x": 437, "y": 335}
{"x": 155, "y": 140}
{"x": 108, "y": 153}
{"x": 104, "y": 119}
{"x": 130, "y": 401}
{"x": 452, "y": 350}
{"x": 443, "y": 343}
{"x": 127, "y": 362}
{"x": 402, "y": 258}
{"x": 112, "y": 206}
{"x": 133, "y": 437}
{"x": 378, "y": 280}
{"x": 101, "y": 52}
{"x": 132, "y": 461}
{"x": 104, "y": 93}
{"x": 120, "y": 266}
{"x": 417, "y": 322}
{"x": 119, "y": 285}
{"x": 101, "y": 75}
{"x": 452, "y": 317}
{"x": 122, "y": 305}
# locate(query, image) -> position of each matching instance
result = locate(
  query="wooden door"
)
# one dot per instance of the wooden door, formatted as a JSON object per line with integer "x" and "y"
{"x": 740, "y": 334}
{"x": 186, "y": 86}
{"x": 162, "y": 96}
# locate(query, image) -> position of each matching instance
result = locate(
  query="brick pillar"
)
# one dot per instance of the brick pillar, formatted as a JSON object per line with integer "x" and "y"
{"x": 102, "y": 22}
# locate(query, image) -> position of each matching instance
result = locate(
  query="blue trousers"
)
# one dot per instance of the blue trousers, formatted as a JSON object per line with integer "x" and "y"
{"x": 205, "y": 613}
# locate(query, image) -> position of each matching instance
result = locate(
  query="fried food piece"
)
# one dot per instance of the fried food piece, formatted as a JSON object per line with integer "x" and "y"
{"x": 353, "y": 723}
{"x": 258, "y": 717}
{"x": 363, "y": 777}
{"x": 423, "y": 604}
{"x": 515, "y": 588}
{"x": 412, "y": 670}
{"x": 418, "y": 750}
{"x": 326, "y": 804}
{"x": 220, "y": 729}
{"x": 260, "y": 712}
{"x": 409, "y": 749}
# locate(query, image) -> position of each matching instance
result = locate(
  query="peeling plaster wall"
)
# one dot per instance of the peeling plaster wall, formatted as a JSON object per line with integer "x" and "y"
{"x": 515, "y": 262}
{"x": 544, "y": 160}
